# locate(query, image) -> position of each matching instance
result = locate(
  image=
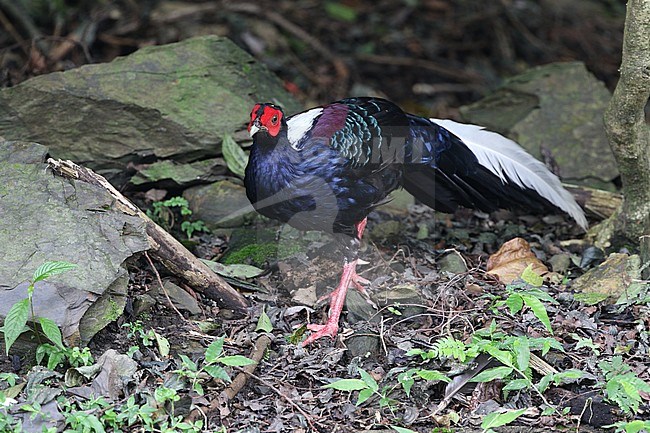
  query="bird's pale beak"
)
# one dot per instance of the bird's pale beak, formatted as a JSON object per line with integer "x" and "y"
{"x": 255, "y": 127}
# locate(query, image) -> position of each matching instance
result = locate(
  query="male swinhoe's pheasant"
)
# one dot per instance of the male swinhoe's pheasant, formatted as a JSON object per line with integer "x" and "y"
{"x": 328, "y": 167}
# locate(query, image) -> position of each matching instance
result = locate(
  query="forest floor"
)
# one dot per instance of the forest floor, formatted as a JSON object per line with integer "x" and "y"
{"x": 446, "y": 313}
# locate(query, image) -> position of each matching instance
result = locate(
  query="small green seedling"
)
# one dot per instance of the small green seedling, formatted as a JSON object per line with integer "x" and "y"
{"x": 16, "y": 321}
{"x": 161, "y": 212}
{"x": 214, "y": 355}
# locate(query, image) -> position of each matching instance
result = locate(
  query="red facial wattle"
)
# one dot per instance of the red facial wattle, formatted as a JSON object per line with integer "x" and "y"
{"x": 271, "y": 119}
{"x": 267, "y": 117}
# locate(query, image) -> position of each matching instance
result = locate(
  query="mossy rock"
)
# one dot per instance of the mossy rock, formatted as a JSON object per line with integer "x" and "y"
{"x": 174, "y": 101}
{"x": 557, "y": 108}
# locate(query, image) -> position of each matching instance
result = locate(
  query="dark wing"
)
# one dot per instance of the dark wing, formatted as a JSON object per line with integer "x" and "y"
{"x": 365, "y": 131}
{"x": 455, "y": 165}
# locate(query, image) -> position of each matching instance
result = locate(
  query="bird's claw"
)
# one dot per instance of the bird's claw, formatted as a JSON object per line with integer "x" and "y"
{"x": 357, "y": 281}
{"x": 360, "y": 283}
{"x": 329, "y": 329}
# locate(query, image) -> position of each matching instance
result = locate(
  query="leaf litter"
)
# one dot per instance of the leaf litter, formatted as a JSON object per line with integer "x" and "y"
{"x": 294, "y": 388}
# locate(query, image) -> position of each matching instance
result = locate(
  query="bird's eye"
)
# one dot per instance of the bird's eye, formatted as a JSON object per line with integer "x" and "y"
{"x": 274, "y": 120}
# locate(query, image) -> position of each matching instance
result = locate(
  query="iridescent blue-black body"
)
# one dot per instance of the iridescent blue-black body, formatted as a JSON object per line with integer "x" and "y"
{"x": 329, "y": 179}
{"x": 327, "y": 168}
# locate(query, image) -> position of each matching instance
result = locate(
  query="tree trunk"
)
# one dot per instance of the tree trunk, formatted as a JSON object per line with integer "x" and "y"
{"x": 628, "y": 133}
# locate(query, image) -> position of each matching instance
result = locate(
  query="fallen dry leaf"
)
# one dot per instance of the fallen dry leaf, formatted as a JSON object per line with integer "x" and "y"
{"x": 512, "y": 258}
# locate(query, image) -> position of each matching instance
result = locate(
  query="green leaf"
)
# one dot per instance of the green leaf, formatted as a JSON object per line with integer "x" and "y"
{"x": 347, "y": 385}
{"x": 214, "y": 350}
{"x": 540, "y": 294}
{"x": 501, "y": 355}
{"x": 538, "y": 309}
{"x": 531, "y": 277}
{"x": 15, "y": 322}
{"x": 340, "y": 12}
{"x": 517, "y": 384}
{"x": 234, "y": 156}
{"x": 430, "y": 354}
{"x": 188, "y": 363}
{"x": 51, "y": 331}
{"x": 297, "y": 335}
{"x": 568, "y": 376}
{"x": 515, "y": 303}
{"x": 586, "y": 342}
{"x": 432, "y": 375}
{"x": 217, "y": 372}
{"x": 544, "y": 382}
{"x": 264, "y": 323}
{"x": 496, "y": 419}
{"x": 163, "y": 344}
{"x": 521, "y": 348}
{"x": 402, "y": 429}
{"x": 95, "y": 423}
{"x": 364, "y": 395}
{"x": 406, "y": 380}
{"x": 450, "y": 347}
{"x": 545, "y": 344}
{"x": 563, "y": 377}
{"x": 394, "y": 310}
{"x": 235, "y": 360}
{"x": 550, "y": 410}
{"x": 238, "y": 270}
{"x": 635, "y": 426}
{"x": 48, "y": 269}
{"x": 368, "y": 380}
{"x": 55, "y": 356}
{"x": 492, "y": 374}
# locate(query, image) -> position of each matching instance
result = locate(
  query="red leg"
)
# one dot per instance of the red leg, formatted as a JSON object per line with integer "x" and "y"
{"x": 358, "y": 281}
{"x": 337, "y": 297}
{"x": 361, "y": 226}
{"x": 337, "y": 300}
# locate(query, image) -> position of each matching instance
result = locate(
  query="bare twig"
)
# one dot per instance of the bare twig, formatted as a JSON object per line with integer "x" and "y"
{"x": 438, "y": 68}
{"x": 340, "y": 67}
{"x": 9, "y": 27}
{"x": 162, "y": 287}
{"x": 21, "y": 17}
{"x": 308, "y": 417}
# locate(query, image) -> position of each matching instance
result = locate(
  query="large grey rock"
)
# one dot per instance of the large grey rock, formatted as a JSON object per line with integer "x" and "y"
{"x": 173, "y": 101}
{"x": 45, "y": 217}
{"x": 220, "y": 204}
{"x": 558, "y": 107}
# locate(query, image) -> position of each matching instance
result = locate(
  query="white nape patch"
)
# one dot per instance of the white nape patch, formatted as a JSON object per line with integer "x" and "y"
{"x": 511, "y": 163}
{"x": 299, "y": 124}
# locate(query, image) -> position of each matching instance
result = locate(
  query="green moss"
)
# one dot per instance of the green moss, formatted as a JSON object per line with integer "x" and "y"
{"x": 257, "y": 254}
{"x": 287, "y": 250}
{"x": 114, "y": 310}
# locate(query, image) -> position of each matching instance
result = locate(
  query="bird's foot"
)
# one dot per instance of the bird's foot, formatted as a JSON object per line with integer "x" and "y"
{"x": 356, "y": 281}
{"x": 329, "y": 329}
{"x": 360, "y": 283}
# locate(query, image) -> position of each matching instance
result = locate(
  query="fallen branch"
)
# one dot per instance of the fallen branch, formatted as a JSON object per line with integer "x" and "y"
{"x": 164, "y": 247}
{"x": 597, "y": 202}
{"x": 288, "y": 399}
{"x": 239, "y": 381}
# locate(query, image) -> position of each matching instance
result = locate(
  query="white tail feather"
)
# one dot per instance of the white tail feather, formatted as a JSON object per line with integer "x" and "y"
{"x": 507, "y": 160}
